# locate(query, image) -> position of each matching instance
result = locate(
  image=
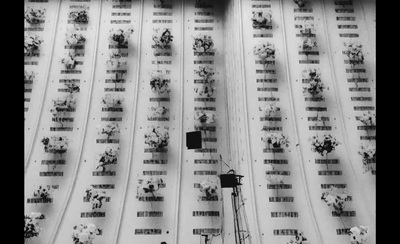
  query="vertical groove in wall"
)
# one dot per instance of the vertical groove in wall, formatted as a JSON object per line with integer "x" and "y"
{"x": 82, "y": 139}
{"x": 246, "y": 129}
{"x": 43, "y": 96}
{"x": 361, "y": 2}
{"x": 295, "y": 128}
{"x": 181, "y": 134}
{"x": 131, "y": 141}
{"x": 341, "y": 115}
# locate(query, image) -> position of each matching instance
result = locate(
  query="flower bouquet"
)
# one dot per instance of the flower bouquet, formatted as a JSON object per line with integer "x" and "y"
{"x": 32, "y": 44}
{"x": 261, "y": 19}
{"x": 72, "y": 88}
{"x": 208, "y": 188}
{"x": 62, "y": 105}
{"x": 264, "y": 51}
{"x": 368, "y": 119}
{"x": 84, "y": 233}
{"x": 205, "y": 90}
{"x": 34, "y": 16}
{"x": 75, "y": 39}
{"x": 205, "y": 72}
{"x": 203, "y": 43}
{"x": 307, "y": 44}
{"x": 114, "y": 61}
{"x": 42, "y": 192}
{"x": 148, "y": 185}
{"x": 111, "y": 101}
{"x": 109, "y": 156}
{"x": 354, "y": 53}
{"x": 276, "y": 140}
{"x": 269, "y": 109}
{"x": 95, "y": 197}
{"x": 79, "y": 17}
{"x": 32, "y": 228}
{"x": 29, "y": 77}
{"x": 312, "y": 74}
{"x": 323, "y": 147}
{"x": 157, "y": 138}
{"x": 358, "y": 235}
{"x": 163, "y": 40}
{"x": 159, "y": 111}
{"x": 307, "y": 29}
{"x": 337, "y": 200}
{"x": 205, "y": 117}
{"x": 158, "y": 83}
{"x": 314, "y": 87}
{"x": 69, "y": 61}
{"x": 120, "y": 36}
{"x": 299, "y": 238}
{"x": 301, "y": 3}
{"x": 368, "y": 154}
{"x": 110, "y": 130}
{"x": 55, "y": 144}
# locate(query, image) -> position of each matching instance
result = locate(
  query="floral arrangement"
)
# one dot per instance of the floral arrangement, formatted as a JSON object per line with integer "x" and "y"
{"x": 109, "y": 156}
{"x": 307, "y": 29}
{"x": 368, "y": 154}
{"x": 114, "y": 61}
{"x": 84, "y": 233}
{"x": 34, "y": 16}
{"x": 301, "y": 3}
{"x": 55, "y": 144}
{"x": 299, "y": 238}
{"x": 158, "y": 83}
{"x": 72, "y": 88}
{"x": 160, "y": 110}
{"x": 112, "y": 102}
{"x": 203, "y": 43}
{"x": 69, "y": 61}
{"x": 269, "y": 109}
{"x": 276, "y": 140}
{"x": 264, "y": 51}
{"x": 29, "y": 77}
{"x": 205, "y": 117}
{"x": 110, "y": 130}
{"x": 95, "y": 197}
{"x": 368, "y": 118}
{"x": 120, "y": 36}
{"x": 31, "y": 44}
{"x": 261, "y": 19}
{"x": 312, "y": 74}
{"x": 354, "y": 53}
{"x": 314, "y": 87}
{"x": 75, "y": 39}
{"x": 206, "y": 90}
{"x": 323, "y": 147}
{"x": 41, "y": 191}
{"x": 32, "y": 228}
{"x": 205, "y": 72}
{"x": 358, "y": 235}
{"x": 337, "y": 200}
{"x": 307, "y": 44}
{"x": 60, "y": 105}
{"x": 148, "y": 185}
{"x": 162, "y": 41}
{"x": 79, "y": 17}
{"x": 157, "y": 138}
{"x": 208, "y": 188}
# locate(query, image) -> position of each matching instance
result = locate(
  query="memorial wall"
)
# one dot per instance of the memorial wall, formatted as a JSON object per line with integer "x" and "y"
{"x": 281, "y": 91}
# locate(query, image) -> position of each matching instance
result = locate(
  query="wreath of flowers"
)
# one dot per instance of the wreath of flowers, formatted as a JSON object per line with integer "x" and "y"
{"x": 264, "y": 51}
{"x": 334, "y": 198}
{"x": 368, "y": 154}
{"x": 84, "y": 233}
{"x": 157, "y": 138}
{"x": 307, "y": 44}
{"x": 205, "y": 117}
{"x": 148, "y": 185}
{"x": 269, "y": 109}
{"x": 205, "y": 90}
{"x": 42, "y": 191}
{"x": 109, "y": 156}
{"x": 354, "y": 53}
{"x": 208, "y": 188}
{"x": 301, "y": 3}
{"x": 324, "y": 147}
{"x": 32, "y": 228}
{"x": 299, "y": 238}
{"x": 160, "y": 110}
{"x": 368, "y": 119}
{"x": 29, "y": 77}
{"x": 120, "y": 36}
{"x": 69, "y": 61}
{"x": 114, "y": 61}
{"x": 95, "y": 197}
{"x": 55, "y": 144}
{"x": 112, "y": 102}
{"x": 205, "y": 72}
{"x": 162, "y": 41}
{"x": 261, "y": 19}
{"x": 358, "y": 235}
{"x": 203, "y": 43}
{"x": 79, "y": 17}
{"x": 34, "y": 16}
{"x": 75, "y": 39}
{"x": 31, "y": 44}
{"x": 110, "y": 130}
{"x": 276, "y": 140}
{"x": 158, "y": 83}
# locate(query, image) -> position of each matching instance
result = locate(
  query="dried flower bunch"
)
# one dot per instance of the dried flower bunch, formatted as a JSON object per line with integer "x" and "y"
{"x": 42, "y": 191}
{"x": 299, "y": 238}
{"x": 110, "y": 130}
{"x": 358, "y": 235}
{"x": 79, "y": 17}
{"x": 276, "y": 140}
{"x": 34, "y": 16}
{"x": 264, "y": 50}
{"x": 368, "y": 154}
{"x": 69, "y": 61}
{"x": 108, "y": 157}
{"x": 75, "y": 39}
{"x": 368, "y": 119}
{"x": 95, "y": 197}
{"x": 203, "y": 43}
{"x": 205, "y": 72}
{"x": 335, "y": 199}
{"x": 205, "y": 117}
{"x": 148, "y": 185}
{"x": 32, "y": 228}
{"x": 324, "y": 147}
{"x": 84, "y": 233}
{"x": 301, "y": 3}
{"x": 208, "y": 188}
{"x": 162, "y": 40}
{"x": 32, "y": 44}
{"x": 261, "y": 19}
{"x": 120, "y": 36}
{"x": 354, "y": 53}
{"x": 158, "y": 83}
{"x": 157, "y": 138}
{"x": 55, "y": 144}
{"x": 315, "y": 86}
